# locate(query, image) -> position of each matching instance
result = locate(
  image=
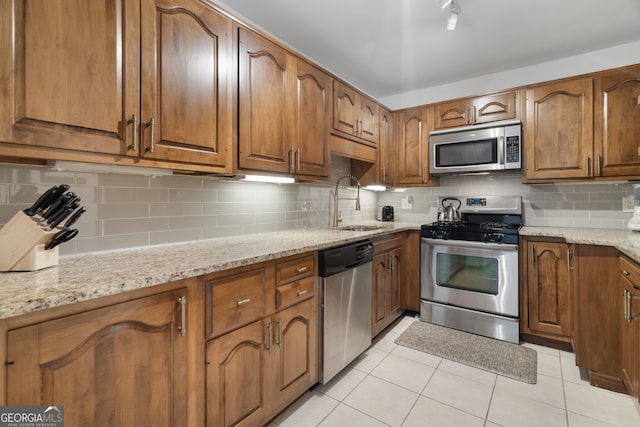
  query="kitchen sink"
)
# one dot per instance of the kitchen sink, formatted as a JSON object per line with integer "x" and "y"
{"x": 360, "y": 227}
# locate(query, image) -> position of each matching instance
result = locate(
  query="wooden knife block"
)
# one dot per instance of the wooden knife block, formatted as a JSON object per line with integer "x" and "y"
{"x": 22, "y": 242}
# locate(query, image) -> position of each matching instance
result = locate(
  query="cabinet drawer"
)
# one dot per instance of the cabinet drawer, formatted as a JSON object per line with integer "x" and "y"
{"x": 235, "y": 301}
{"x": 631, "y": 271}
{"x": 295, "y": 269}
{"x": 292, "y": 293}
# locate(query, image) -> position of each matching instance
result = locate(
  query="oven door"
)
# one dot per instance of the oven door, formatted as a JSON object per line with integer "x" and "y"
{"x": 475, "y": 275}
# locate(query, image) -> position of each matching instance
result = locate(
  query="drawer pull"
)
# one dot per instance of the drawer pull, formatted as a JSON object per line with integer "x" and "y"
{"x": 301, "y": 270}
{"x": 626, "y": 273}
{"x": 302, "y": 292}
{"x": 243, "y": 301}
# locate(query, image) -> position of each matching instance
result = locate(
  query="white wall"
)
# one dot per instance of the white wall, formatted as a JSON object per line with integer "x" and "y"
{"x": 598, "y": 60}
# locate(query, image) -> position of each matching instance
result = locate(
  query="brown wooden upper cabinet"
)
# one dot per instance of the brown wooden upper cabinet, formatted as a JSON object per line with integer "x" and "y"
{"x": 616, "y": 123}
{"x": 584, "y": 128}
{"x": 469, "y": 111}
{"x": 284, "y": 105}
{"x": 412, "y": 136}
{"x": 559, "y": 130}
{"x": 145, "y": 78}
{"x": 354, "y": 115}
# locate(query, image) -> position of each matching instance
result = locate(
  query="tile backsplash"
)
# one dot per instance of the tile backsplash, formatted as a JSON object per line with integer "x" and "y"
{"x": 127, "y": 211}
{"x": 576, "y": 205}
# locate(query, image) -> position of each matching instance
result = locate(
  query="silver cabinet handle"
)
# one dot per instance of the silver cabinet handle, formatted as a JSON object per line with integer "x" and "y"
{"x": 183, "y": 316}
{"x": 152, "y": 142}
{"x": 291, "y": 162}
{"x": 627, "y": 305}
{"x": 301, "y": 270}
{"x": 599, "y": 165}
{"x": 243, "y": 301}
{"x": 533, "y": 255}
{"x": 279, "y": 335}
{"x": 569, "y": 266}
{"x": 134, "y": 134}
{"x": 626, "y": 273}
{"x": 269, "y": 338}
{"x": 298, "y": 160}
{"x": 587, "y": 165}
{"x": 302, "y": 292}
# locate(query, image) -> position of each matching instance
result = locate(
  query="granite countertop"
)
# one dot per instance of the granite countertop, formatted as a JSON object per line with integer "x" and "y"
{"x": 85, "y": 277}
{"x": 627, "y": 242}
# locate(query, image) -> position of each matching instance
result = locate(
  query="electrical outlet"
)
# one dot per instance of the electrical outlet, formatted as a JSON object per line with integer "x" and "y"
{"x": 407, "y": 202}
{"x": 628, "y": 203}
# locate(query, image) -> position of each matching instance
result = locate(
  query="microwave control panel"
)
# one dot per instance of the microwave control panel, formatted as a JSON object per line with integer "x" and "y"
{"x": 513, "y": 149}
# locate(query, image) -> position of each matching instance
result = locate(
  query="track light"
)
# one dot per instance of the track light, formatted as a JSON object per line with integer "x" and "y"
{"x": 452, "y": 22}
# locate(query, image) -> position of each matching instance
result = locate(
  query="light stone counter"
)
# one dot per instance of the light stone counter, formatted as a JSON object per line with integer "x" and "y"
{"x": 627, "y": 242}
{"x": 85, "y": 277}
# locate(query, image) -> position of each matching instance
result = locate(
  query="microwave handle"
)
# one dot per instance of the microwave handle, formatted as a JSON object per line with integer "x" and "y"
{"x": 501, "y": 150}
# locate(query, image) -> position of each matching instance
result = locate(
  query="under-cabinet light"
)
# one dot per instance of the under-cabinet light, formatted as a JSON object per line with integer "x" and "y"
{"x": 61, "y": 165}
{"x": 375, "y": 187}
{"x": 269, "y": 179}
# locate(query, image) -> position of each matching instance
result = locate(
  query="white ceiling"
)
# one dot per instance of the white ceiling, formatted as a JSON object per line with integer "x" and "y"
{"x": 388, "y": 47}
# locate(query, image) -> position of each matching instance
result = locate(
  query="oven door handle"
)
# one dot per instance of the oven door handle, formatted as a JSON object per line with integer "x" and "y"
{"x": 468, "y": 244}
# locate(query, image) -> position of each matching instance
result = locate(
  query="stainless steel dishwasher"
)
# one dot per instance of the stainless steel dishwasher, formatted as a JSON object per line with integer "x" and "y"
{"x": 345, "y": 305}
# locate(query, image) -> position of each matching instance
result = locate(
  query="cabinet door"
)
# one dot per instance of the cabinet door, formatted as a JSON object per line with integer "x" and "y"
{"x": 630, "y": 336}
{"x": 630, "y": 325}
{"x": 186, "y": 83}
{"x": 598, "y": 305}
{"x": 345, "y": 109}
{"x": 386, "y": 150}
{"x": 491, "y": 108}
{"x": 368, "y": 115}
{"x": 294, "y": 361}
{"x": 262, "y": 138}
{"x": 238, "y": 391}
{"x": 122, "y": 365}
{"x": 451, "y": 114}
{"x": 380, "y": 286}
{"x": 549, "y": 288}
{"x": 412, "y": 146}
{"x": 312, "y": 106}
{"x": 617, "y": 123}
{"x": 559, "y": 130}
{"x": 387, "y": 282}
{"x": 70, "y": 86}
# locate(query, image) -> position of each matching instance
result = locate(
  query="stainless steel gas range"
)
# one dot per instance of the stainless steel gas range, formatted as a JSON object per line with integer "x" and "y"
{"x": 469, "y": 267}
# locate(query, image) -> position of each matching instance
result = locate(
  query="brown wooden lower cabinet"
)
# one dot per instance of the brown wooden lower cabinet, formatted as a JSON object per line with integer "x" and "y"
{"x": 598, "y": 310}
{"x": 388, "y": 264}
{"x": 121, "y": 365}
{"x": 630, "y": 325}
{"x": 256, "y": 370}
{"x": 546, "y": 291}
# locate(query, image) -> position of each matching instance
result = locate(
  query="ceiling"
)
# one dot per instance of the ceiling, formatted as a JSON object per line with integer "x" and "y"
{"x": 389, "y": 47}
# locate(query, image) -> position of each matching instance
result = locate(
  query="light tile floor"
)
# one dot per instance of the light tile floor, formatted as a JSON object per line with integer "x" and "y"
{"x": 391, "y": 385}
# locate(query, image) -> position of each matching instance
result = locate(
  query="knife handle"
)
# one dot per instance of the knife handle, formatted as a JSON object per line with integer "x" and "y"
{"x": 76, "y": 215}
{"x": 40, "y": 202}
{"x": 59, "y": 217}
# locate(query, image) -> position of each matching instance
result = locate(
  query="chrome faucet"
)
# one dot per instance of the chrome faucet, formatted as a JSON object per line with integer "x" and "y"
{"x": 336, "y": 215}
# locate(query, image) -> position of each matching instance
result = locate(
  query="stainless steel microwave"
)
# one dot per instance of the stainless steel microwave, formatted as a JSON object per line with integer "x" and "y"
{"x": 479, "y": 148}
